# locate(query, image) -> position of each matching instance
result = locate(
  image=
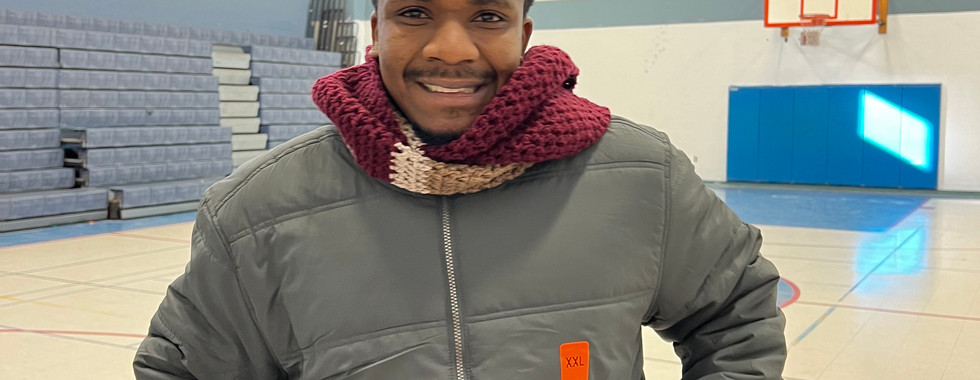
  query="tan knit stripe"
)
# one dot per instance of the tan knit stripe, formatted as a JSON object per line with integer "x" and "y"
{"x": 413, "y": 171}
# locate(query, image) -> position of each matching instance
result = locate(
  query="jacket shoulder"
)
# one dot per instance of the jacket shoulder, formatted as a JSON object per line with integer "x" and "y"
{"x": 627, "y": 141}
{"x": 313, "y": 169}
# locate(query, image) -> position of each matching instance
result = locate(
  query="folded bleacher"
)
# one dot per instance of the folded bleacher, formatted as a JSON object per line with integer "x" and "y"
{"x": 139, "y": 115}
{"x": 35, "y": 187}
{"x": 285, "y": 80}
{"x": 225, "y": 37}
{"x": 239, "y": 101}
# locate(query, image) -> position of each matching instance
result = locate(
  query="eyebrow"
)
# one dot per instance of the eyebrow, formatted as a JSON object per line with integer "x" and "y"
{"x": 483, "y": 3}
{"x": 479, "y": 3}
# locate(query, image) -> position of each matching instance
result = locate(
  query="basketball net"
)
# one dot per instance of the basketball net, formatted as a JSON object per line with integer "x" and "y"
{"x": 812, "y": 26}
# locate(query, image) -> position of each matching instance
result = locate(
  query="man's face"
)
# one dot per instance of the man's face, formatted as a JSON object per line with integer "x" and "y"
{"x": 442, "y": 61}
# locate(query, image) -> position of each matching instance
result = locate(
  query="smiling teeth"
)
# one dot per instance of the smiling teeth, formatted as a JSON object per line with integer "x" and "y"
{"x": 444, "y": 90}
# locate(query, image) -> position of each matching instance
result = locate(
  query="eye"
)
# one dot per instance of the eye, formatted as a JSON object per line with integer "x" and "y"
{"x": 413, "y": 13}
{"x": 489, "y": 17}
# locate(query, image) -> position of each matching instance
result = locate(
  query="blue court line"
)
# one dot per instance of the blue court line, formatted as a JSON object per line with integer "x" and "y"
{"x": 9, "y": 239}
{"x": 830, "y": 311}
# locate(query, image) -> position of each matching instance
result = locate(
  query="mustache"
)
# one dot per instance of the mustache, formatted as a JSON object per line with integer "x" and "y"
{"x": 442, "y": 72}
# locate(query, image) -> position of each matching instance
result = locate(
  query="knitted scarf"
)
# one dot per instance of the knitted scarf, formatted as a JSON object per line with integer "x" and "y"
{"x": 533, "y": 118}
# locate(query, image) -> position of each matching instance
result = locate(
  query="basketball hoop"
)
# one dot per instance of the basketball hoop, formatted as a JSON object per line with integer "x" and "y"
{"x": 812, "y": 25}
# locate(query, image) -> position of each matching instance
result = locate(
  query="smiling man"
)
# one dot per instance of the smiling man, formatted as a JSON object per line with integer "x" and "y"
{"x": 467, "y": 217}
{"x": 444, "y": 61}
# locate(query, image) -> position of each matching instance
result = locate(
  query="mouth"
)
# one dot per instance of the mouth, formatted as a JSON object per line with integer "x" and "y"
{"x": 451, "y": 89}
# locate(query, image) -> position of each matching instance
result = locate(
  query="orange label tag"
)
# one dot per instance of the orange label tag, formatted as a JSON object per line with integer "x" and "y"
{"x": 575, "y": 361}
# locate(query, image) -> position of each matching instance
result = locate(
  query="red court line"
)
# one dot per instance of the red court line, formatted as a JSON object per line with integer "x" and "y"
{"x": 796, "y": 292}
{"x": 62, "y": 332}
{"x": 889, "y": 311}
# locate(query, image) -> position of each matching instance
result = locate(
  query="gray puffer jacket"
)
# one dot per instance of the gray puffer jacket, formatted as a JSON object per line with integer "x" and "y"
{"x": 303, "y": 267}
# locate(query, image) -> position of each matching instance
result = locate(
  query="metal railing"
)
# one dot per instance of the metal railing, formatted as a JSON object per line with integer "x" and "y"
{"x": 331, "y": 29}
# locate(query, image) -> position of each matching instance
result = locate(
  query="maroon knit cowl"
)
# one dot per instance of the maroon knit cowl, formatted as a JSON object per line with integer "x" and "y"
{"x": 535, "y": 117}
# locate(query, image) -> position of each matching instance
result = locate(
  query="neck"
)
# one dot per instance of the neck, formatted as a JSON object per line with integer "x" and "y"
{"x": 431, "y": 138}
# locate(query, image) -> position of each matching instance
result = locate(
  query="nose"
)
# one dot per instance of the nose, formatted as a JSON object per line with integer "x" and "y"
{"x": 451, "y": 44}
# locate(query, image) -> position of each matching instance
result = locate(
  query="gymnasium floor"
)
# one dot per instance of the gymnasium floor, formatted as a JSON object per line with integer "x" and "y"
{"x": 876, "y": 286}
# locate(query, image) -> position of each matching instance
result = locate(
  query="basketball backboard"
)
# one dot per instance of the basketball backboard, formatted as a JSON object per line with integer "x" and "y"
{"x": 786, "y": 13}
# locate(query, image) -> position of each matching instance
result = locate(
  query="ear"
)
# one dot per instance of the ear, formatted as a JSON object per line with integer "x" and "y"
{"x": 528, "y": 29}
{"x": 374, "y": 35}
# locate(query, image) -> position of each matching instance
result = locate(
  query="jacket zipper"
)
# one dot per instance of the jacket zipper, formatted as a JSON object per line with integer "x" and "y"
{"x": 453, "y": 294}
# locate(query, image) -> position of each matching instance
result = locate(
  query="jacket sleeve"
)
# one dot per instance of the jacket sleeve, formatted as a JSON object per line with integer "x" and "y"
{"x": 204, "y": 327}
{"x": 717, "y": 297}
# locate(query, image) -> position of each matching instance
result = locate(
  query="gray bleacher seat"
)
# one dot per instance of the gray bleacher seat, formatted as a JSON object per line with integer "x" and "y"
{"x": 36, "y": 180}
{"x": 134, "y": 99}
{"x": 21, "y": 139}
{"x": 286, "y": 101}
{"x": 155, "y": 172}
{"x": 32, "y": 205}
{"x": 284, "y": 85}
{"x": 138, "y": 117}
{"x": 144, "y": 136}
{"x": 17, "y": 56}
{"x": 281, "y": 70}
{"x": 286, "y": 132}
{"x": 251, "y": 141}
{"x": 28, "y": 78}
{"x": 98, "y": 60}
{"x": 232, "y": 76}
{"x": 295, "y": 56}
{"x": 90, "y": 40}
{"x": 108, "y": 80}
{"x": 120, "y": 42}
{"x": 294, "y": 117}
{"x": 154, "y": 194}
{"x": 232, "y": 93}
{"x": 50, "y": 20}
{"x": 21, "y": 119}
{"x": 230, "y": 57}
{"x": 31, "y": 159}
{"x": 242, "y": 124}
{"x": 152, "y": 154}
{"x": 26, "y": 36}
{"x": 21, "y": 98}
{"x": 239, "y": 109}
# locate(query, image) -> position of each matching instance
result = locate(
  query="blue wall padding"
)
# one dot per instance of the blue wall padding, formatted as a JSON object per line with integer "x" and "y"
{"x": 881, "y": 169}
{"x": 845, "y": 157}
{"x": 743, "y": 136}
{"x": 776, "y": 135}
{"x": 922, "y": 100}
{"x": 810, "y": 143}
{"x": 850, "y": 135}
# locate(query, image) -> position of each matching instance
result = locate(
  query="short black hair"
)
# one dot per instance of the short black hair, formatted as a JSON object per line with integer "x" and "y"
{"x": 527, "y": 5}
